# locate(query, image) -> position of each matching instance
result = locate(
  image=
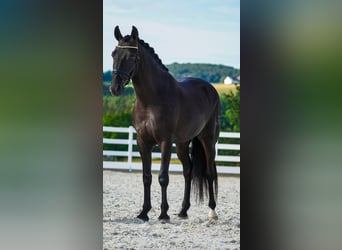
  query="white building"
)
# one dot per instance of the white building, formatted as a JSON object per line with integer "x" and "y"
{"x": 229, "y": 80}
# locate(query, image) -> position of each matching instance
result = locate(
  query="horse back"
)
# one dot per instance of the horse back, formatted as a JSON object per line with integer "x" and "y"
{"x": 199, "y": 91}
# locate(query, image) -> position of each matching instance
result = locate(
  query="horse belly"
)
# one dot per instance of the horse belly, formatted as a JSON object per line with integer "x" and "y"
{"x": 198, "y": 100}
{"x": 189, "y": 128}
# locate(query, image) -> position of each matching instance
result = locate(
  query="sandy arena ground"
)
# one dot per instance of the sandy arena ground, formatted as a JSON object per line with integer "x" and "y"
{"x": 123, "y": 199}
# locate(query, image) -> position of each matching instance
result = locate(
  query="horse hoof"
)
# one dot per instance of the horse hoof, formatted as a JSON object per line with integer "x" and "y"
{"x": 143, "y": 217}
{"x": 212, "y": 215}
{"x": 164, "y": 217}
{"x": 183, "y": 215}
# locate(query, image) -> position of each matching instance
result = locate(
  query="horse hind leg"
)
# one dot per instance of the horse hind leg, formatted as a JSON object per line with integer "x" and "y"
{"x": 211, "y": 174}
{"x": 183, "y": 155}
{"x": 212, "y": 180}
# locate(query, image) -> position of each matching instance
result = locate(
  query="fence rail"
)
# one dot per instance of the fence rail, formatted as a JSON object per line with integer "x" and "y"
{"x": 130, "y": 158}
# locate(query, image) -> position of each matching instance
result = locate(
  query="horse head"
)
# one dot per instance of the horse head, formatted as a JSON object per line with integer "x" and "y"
{"x": 125, "y": 60}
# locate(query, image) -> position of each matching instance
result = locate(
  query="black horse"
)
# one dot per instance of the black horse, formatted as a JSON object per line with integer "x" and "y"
{"x": 167, "y": 111}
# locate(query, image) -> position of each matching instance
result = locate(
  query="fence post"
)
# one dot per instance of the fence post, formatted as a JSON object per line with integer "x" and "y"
{"x": 216, "y": 148}
{"x": 130, "y": 147}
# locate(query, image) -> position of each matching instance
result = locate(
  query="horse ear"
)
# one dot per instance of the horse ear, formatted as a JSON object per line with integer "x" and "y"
{"x": 134, "y": 33}
{"x": 117, "y": 33}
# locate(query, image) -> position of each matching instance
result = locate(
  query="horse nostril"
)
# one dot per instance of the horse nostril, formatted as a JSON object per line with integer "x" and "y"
{"x": 117, "y": 89}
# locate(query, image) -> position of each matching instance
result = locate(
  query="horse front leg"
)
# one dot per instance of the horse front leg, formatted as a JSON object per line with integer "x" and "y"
{"x": 182, "y": 150}
{"x": 145, "y": 152}
{"x": 164, "y": 178}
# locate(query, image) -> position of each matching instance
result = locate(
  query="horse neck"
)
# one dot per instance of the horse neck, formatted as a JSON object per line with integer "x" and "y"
{"x": 151, "y": 81}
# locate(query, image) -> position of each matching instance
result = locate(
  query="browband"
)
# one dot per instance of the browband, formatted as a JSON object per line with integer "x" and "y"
{"x": 126, "y": 47}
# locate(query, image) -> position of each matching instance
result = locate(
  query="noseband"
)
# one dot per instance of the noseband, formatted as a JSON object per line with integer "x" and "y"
{"x": 120, "y": 72}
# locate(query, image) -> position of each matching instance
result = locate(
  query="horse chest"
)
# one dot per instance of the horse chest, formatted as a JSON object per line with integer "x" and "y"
{"x": 149, "y": 121}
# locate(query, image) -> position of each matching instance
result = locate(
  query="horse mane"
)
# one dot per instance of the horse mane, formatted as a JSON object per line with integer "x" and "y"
{"x": 150, "y": 49}
{"x": 155, "y": 56}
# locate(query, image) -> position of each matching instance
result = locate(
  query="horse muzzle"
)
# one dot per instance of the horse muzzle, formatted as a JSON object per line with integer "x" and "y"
{"x": 117, "y": 88}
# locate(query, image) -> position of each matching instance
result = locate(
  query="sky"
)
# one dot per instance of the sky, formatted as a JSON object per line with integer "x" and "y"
{"x": 183, "y": 31}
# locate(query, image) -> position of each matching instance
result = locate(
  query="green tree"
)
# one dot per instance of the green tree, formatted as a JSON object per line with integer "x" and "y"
{"x": 224, "y": 122}
{"x": 213, "y": 73}
{"x": 107, "y": 76}
{"x": 233, "y": 111}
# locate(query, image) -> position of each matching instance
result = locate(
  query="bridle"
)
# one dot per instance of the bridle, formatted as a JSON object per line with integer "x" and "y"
{"x": 128, "y": 76}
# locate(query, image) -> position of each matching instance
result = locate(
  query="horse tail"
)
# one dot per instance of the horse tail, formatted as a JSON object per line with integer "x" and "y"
{"x": 199, "y": 178}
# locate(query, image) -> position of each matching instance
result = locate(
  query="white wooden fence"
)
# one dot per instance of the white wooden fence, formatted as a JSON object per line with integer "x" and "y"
{"x": 132, "y": 160}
